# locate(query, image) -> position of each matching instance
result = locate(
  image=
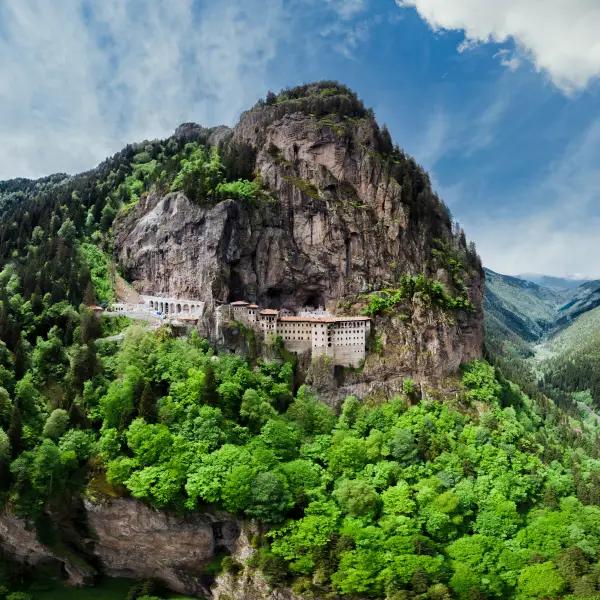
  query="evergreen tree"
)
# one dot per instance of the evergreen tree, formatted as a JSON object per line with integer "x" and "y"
{"x": 147, "y": 404}
{"x": 15, "y": 430}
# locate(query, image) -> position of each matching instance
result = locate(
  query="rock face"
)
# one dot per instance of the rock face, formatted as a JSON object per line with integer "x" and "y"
{"x": 246, "y": 582}
{"x": 18, "y": 540}
{"x": 126, "y": 538}
{"x": 348, "y": 215}
{"x": 133, "y": 540}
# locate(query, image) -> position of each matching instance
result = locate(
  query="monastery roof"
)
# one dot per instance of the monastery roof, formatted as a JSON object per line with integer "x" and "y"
{"x": 321, "y": 319}
{"x": 252, "y": 305}
{"x": 269, "y": 311}
{"x": 239, "y": 303}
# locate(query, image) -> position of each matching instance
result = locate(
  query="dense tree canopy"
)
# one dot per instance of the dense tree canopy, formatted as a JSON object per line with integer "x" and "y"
{"x": 483, "y": 492}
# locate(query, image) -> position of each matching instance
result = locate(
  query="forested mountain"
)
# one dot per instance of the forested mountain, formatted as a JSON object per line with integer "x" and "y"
{"x": 548, "y": 335}
{"x": 158, "y": 457}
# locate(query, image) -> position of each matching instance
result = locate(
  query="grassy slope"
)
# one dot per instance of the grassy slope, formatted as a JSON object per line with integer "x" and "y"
{"x": 581, "y": 332}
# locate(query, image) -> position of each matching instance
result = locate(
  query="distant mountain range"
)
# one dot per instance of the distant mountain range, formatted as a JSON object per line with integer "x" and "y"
{"x": 534, "y": 311}
{"x": 549, "y": 330}
{"x": 554, "y": 283}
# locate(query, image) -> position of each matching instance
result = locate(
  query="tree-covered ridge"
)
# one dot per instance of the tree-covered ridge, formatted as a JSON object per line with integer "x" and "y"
{"x": 319, "y": 99}
{"x": 574, "y": 363}
{"x": 546, "y": 339}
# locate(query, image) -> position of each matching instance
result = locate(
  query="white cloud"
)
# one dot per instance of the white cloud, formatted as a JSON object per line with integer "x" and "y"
{"x": 80, "y": 80}
{"x": 553, "y": 225}
{"x": 508, "y": 59}
{"x": 347, "y": 9}
{"x": 560, "y": 37}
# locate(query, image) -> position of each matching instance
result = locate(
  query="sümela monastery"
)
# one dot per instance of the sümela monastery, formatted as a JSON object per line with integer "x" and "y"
{"x": 342, "y": 339}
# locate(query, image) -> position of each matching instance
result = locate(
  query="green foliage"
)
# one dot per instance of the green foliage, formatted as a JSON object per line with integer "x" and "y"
{"x": 410, "y": 496}
{"x": 100, "y": 272}
{"x": 200, "y": 172}
{"x": 480, "y": 379}
{"x": 319, "y": 99}
{"x": 413, "y": 287}
{"x": 56, "y": 424}
{"x": 201, "y": 176}
{"x": 541, "y": 580}
{"x": 241, "y": 189}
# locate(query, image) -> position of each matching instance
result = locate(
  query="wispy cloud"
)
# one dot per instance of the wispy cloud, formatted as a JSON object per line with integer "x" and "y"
{"x": 347, "y": 9}
{"x": 79, "y": 80}
{"x": 554, "y": 223}
{"x": 464, "y": 131}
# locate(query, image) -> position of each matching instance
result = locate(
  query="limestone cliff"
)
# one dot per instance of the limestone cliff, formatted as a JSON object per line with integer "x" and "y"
{"x": 348, "y": 214}
{"x": 125, "y": 538}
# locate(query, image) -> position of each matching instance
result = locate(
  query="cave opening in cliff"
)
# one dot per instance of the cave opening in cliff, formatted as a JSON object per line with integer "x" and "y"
{"x": 314, "y": 300}
{"x": 237, "y": 290}
{"x": 273, "y": 298}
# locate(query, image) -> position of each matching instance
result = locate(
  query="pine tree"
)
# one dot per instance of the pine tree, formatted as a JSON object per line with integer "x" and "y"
{"x": 15, "y": 429}
{"x": 210, "y": 386}
{"x": 147, "y": 405}
{"x": 21, "y": 359}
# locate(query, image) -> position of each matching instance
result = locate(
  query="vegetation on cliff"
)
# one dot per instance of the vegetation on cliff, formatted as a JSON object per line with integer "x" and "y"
{"x": 481, "y": 492}
{"x": 412, "y": 287}
{"x": 485, "y": 493}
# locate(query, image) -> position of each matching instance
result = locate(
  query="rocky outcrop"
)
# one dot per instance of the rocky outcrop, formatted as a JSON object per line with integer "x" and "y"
{"x": 125, "y": 538}
{"x": 245, "y": 582}
{"x": 19, "y": 542}
{"x": 134, "y": 540}
{"x": 347, "y": 214}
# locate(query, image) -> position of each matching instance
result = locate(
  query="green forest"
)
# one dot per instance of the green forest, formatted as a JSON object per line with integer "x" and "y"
{"x": 486, "y": 494}
{"x": 480, "y": 492}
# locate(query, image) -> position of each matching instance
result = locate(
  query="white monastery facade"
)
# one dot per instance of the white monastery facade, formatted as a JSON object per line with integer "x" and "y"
{"x": 164, "y": 306}
{"x": 343, "y": 339}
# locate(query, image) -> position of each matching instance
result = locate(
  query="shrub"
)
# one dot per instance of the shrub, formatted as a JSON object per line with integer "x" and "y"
{"x": 431, "y": 292}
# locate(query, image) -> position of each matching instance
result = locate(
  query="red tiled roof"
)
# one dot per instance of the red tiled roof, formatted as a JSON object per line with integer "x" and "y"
{"x": 239, "y": 303}
{"x": 252, "y": 305}
{"x": 321, "y": 319}
{"x": 269, "y": 311}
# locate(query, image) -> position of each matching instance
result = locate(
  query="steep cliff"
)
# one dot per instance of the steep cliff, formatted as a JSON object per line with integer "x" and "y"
{"x": 125, "y": 538}
{"x": 344, "y": 213}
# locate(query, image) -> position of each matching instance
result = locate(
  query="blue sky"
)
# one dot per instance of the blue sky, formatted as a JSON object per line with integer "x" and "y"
{"x": 498, "y": 100}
